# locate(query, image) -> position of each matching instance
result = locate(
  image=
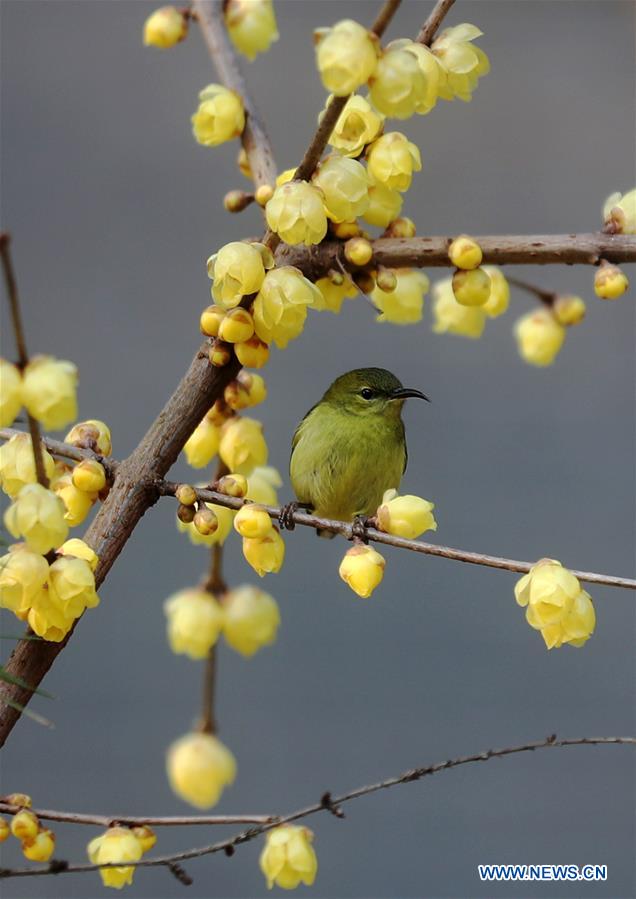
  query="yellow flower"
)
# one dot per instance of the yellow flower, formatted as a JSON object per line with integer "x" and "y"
{"x": 224, "y": 518}
{"x": 242, "y": 444}
{"x": 404, "y": 304}
{"x": 237, "y": 326}
{"x": 203, "y": 444}
{"x": 165, "y": 27}
{"x": 254, "y": 353}
{"x": 23, "y": 574}
{"x": 499, "y": 298}
{"x": 265, "y": 554}
{"x": 89, "y": 476}
{"x": 246, "y": 390}
{"x": 463, "y": 63}
{"x": 92, "y": 434}
{"x": 450, "y": 317}
{"x": 77, "y": 503}
{"x": 569, "y": 310}
{"x": 261, "y": 485}
{"x": 357, "y": 125}
{"x": 251, "y": 25}
{"x": 406, "y": 80}
{"x": 79, "y": 550}
{"x": 232, "y": 484}
{"x": 199, "y": 768}
{"x": 49, "y": 391}
{"x": 117, "y": 845}
{"x": 10, "y": 393}
{"x": 288, "y": 858}
{"x": 37, "y": 514}
{"x": 610, "y": 282}
{"x": 576, "y": 627}
{"x": 358, "y": 250}
{"x": 539, "y": 337}
{"x": 39, "y": 848}
{"x": 146, "y": 836}
{"x": 296, "y": 213}
{"x": 17, "y": 466}
{"x": 5, "y": 830}
{"x": 619, "y": 213}
{"x": 362, "y": 569}
{"x": 238, "y": 269}
{"x": 280, "y": 307}
{"x": 464, "y": 252}
{"x": 25, "y": 825}
{"x": 345, "y": 187}
{"x": 47, "y": 619}
{"x": 333, "y": 295}
{"x": 346, "y": 56}
{"x": 252, "y": 521}
{"x": 210, "y": 320}
{"x": 471, "y": 288}
{"x": 556, "y": 604}
{"x": 392, "y": 159}
{"x": 219, "y": 117}
{"x": 405, "y": 516}
{"x": 251, "y": 619}
{"x": 195, "y": 620}
{"x": 384, "y": 205}
{"x": 21, "y": 799}
{"x": 72, "y": 586}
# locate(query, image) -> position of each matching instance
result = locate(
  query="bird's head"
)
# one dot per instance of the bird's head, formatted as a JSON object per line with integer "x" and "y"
{"x": 370, "y": 391}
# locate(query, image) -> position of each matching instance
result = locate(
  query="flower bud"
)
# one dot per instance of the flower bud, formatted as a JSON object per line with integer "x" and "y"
{"x": 39, "y": 848}
{"x": 265, "y": 554}
{"x": 280, "y": 307}
{"x": 332, "y": 294}
{"x": 165, "y": 27}
{"x": 405, "y": 516}
{"x": 203, "y": 444}
{"x": 254, "y": 353}
{"x": 219, "y": 117}
{"x": 539, "y": 337}
{"x": 288, "y": 858}
{"x": 237, "y": 200}
{"x": 195, "y": 619}
{"x": 556, "y": 604}
{"x": 346, "y": 56}
{"x": 211, "y": 319}
{"x": 384, "y": 205}
{"x": 405, "y": 303}
{"x": 252, "y": 521}
{"x": 610, "y": 282}
{"x": 199, "y": 768}
{"x": 186, "y": 513}
{"x": 345, "y": 187}
{"x": 243, "y": 163}
{"x": 242, "y": 444}
{"x": 21, "y": 799}
{"x": 451, "y": 317}
{"x": 237, "y": 326}
{"x": 89, "y": 476}
{"x": 205, "y": 521}
{"x": 186, "y": 494}
{"x": 238, "y": 269}
{"x": 5, "y": 830}
{"x": 619, "y": 213}
{"x": 471, "y": 288}
{"x": 251, "y": 619}
{"x": 25, "y": 825}
{"x": 49, "y": 391}
{"x": 401, "y": 227}
{"x": 116, "y": 846}
{"x": 358, "y": 251}
{"x": 219, "y": 353}
{"x": 246, "y": 390}
{"x": 10, "y": 393}
{"x": 569, "y": 310}
{"x": 146, "y": 836}
{"x": 406, "y": 80}
{"x": 79, "y": 550}
{"x": 72, "y": 586}
{"x": 264, "y": 194}
{"x": 357, "y": 125}
{"x": 251, "y": 25}
{"x": 344, "y": 230}
{"x": 17, "y": 465}
{"x": 77, "y": 503}
{"x": 23, "y": 574}
{"x": 362, "y": 569}
{"x": 499, "y": 299}
{"x": 37, "y": 515}
{"x": 465, "y": 253}
{"x": 392, "y": 159}
{"x": 296, "y": 213}
{"x": 92, "y": 434}
{"x": 232, "y": 485}
{"x": 224, "y": 517}
{"x": 386, "y": 279}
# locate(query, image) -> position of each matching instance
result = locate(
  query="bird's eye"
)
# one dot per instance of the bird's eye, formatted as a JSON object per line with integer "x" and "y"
{"x": 366, "y": 393}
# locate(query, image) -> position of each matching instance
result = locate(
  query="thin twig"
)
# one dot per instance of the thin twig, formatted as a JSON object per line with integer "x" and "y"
{"x": 329, "y": 803}
{"x": 152, "y": 821}
{"x": 546, "y": 296}
{"x": 429, "y": 28}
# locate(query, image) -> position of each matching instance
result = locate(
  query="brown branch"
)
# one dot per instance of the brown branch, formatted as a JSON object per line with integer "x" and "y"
{"x": 152, "y": 821}
{"x": 257, "y": 145}
{"x": 429, "y": 28}
{"x": 328, "y": 803}
{"x": 546, "y": 296}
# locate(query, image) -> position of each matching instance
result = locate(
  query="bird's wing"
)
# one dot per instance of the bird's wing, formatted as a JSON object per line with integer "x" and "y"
{"x": 298, "y": 431}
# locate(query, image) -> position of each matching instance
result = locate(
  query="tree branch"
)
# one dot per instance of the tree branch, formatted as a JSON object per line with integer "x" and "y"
{"x": 429, "y": 28}
{"x": 131, "y": 820}
{"x": 327, "y": 803}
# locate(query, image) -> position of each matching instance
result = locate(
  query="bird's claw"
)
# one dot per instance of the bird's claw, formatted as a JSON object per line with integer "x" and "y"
{"x": 286, "y": 516}
{"x": 359, "y": 528}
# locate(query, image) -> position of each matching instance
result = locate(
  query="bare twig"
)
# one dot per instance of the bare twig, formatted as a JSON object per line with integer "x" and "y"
{"x": 546, "y": 296}
{"x": 334, "y": 802}
{"x": 429, "y": 28}
{"x": 152, "y": 821}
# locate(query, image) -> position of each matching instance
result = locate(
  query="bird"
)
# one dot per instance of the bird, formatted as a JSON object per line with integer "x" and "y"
{"x": 350, "y": 448}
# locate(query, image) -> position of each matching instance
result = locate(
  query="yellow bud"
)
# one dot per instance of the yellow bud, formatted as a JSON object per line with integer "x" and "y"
{"x": 251, "y": 25}
{"x": 165, "y": 27}
{"x": 392, "y": 159}
{"x": 406, "y": 80}
{"x": 242, "y": 444}
{"x": 610, "y": 282}
{"x": 146, "y": 836}
{"x": 237, "y": 326}
{"x": 243, "y": 163}
{"x": 37, "y": 515}
{"x": 345, "y": 187}
{"x": 384, "y": 205}
{"x": 219, "y": 117}
{"x": 296, "y": 213}
{"x": 186, "y": 513}
{"x": 556, "y": 604}
{"x": 333, "y": 294}
{"x": 362, "y": 569}
{"x": 405, "y": 516}
{"x": 203, "y": 444}
{"x": 451, "y": 317}
{"x": 25, "y": 825}
{"x": 10, "y": 393}
{"x": 237, "y": 200}
{"x": 238, "y": 269}
{"x": 280, "y": 307}
{"x": 72, "y": 586}
{"x": 252, "y": 521}
{"x": 224, "y": 517}
{"x": 499, "y": 299}
{"x": 49, "y": 391}
{"x": 23, "y": 575}
{"x": 92, "y": 434}
{"x": 288, "y": 858}
{"x": 205, "y": 521}
{"x": 357, "y": 125}
{"x": 195, "y": 619}
{"x": 264, "y": 194}
{"x": 265, "y": 554}
{"x": 248, "y": 389}
{"x": 619, "y": 213}
{"x": 79, "y": 550}
{"x": 569, "y": 310}
{"x": 358, "y": 251}
{"x": 41, "y": 847}
{"x": 345, "y": 230}
{"x": 386, "y": 279}
{"x": 254, "y": 353}
{"x": 219, "y": 353}
{"x": 462, "y": 63}
{"x": 346, "y": 56}
{"x": 77, "y": 503}
{"x": 199, "y": 768}
{"x": 116, "y": 846}
{"x": 21, "y": 799}
{"x": 186, "y": 494}
{"x": 251, "y": 619}
{"x": 401, "y": 227}
{"x": 405, "y": 303}
{"x": 89, "y": 476}
{"x": 232, "y": 485}
{"x": 465, "y": 253}
{"x": 211, "y": 319}
{"x": 539, "y": 337}
{"x": 471, "y": 288}
{"x": 5, "y": 830}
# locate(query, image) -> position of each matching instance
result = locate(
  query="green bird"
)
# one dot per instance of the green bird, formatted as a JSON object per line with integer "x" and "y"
{"x": 350, "y": 447}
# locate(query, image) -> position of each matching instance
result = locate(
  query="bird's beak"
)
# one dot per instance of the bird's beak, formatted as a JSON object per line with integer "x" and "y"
{"x": 403, "y": 393}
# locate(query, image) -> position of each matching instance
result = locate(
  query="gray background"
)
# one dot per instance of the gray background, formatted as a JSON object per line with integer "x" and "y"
{"x": 114, "y": 210}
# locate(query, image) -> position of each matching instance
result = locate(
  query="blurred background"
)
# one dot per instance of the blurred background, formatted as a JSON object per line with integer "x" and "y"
{"x": 114, "y": 209}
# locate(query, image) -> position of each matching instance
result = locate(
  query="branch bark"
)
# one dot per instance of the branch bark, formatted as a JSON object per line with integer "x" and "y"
{"x": 429, "y": 28}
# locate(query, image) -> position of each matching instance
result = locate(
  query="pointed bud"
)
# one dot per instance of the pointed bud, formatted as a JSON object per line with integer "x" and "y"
{"x": 358, "y": 251}
{"x": 232, "y": 485}
{"x": 220, "y": 353}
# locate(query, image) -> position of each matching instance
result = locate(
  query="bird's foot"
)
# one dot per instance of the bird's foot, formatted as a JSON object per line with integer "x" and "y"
{"x": 359, "y": 529}
{"x": 286, "y": 515}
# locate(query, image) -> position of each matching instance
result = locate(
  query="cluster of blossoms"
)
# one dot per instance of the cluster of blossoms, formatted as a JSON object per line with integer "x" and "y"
{"x": 37, "y": 842}
{"x": 556, "y": 604}
{"x": 118, "y": 846}
{"x": 47, "y": 388}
